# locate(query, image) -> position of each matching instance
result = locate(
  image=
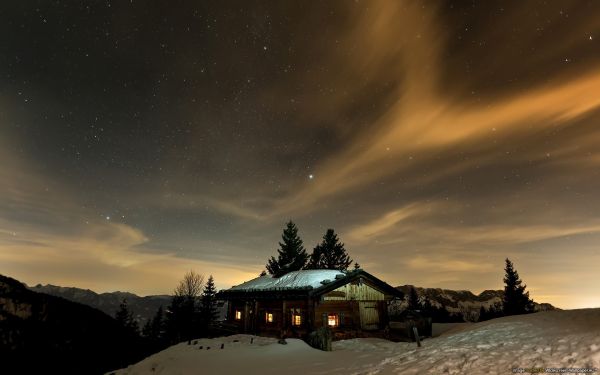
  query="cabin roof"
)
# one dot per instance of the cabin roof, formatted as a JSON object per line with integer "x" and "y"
{"x": 305, "y": 282}
{"x": 305, "y": 279}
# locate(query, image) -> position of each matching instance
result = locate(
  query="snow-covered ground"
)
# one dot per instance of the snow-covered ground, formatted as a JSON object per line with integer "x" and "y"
{"x": 558, "y": 339}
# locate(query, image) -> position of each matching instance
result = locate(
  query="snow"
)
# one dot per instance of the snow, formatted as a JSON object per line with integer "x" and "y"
{"x": 305, "y": 279}
{"x": 559, "y": 339}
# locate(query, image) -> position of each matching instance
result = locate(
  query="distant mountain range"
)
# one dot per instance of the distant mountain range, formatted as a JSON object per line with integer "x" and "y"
{"x": 143, "y": 308}
{"x": 461, "y": 301}
{"x": 44, "y": 334}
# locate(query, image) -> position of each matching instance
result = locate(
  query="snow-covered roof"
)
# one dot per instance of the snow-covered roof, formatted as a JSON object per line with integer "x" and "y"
{"x": 305, "y": 279}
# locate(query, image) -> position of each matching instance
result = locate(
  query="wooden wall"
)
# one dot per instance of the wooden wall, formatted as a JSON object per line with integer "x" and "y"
{"x": 349, "y": 310}
{"x": 355, "y": 291}
{"x": 254, "y": 313}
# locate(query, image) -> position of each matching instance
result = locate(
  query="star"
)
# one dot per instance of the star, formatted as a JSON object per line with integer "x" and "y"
{"x": 108, "y": 218}
{"x": 310, "y": 176}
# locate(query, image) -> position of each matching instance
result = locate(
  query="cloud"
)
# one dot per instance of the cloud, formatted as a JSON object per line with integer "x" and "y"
{"x": 104, "y": 257}
{"x": 388, "y": 222}
{"x": 47, "y": 236}
{"x": 424, "y": 222}
{"x": 422, "y": 119}
{"x": 511, "y": 234}
{"x": 427, "y": 263}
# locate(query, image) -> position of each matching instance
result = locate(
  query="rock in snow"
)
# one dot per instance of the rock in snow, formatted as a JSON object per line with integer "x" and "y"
{"x": 550, "y": 339}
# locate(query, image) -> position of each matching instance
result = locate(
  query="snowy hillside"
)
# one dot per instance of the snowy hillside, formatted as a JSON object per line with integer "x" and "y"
{"x": 569, "y": 338}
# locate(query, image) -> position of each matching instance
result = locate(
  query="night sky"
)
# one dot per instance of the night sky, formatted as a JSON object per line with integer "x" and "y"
{"x": 141, "y": 139}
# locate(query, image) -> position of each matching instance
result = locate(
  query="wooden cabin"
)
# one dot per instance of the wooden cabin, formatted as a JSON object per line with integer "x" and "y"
{"x": 351, "y": 303}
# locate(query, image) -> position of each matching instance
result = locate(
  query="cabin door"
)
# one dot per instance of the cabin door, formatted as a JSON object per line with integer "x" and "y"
{"x": 369, "y": 315}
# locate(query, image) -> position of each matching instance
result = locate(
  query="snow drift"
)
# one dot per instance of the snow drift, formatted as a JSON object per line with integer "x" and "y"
{"x": 551, "y": 339}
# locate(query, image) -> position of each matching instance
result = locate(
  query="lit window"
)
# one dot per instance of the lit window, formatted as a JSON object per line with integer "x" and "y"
{"x": 296, "y": 319}
{"x": 296, "y": 316}
{"x": 269, "y": 317}
{"x": 333, "y": 320}
{"x": 238, "y": 315}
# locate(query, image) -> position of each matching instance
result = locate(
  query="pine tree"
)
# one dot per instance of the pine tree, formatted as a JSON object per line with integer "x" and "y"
{"x": 147, "y": 329}
{"x": 356, "y": 266}
{"x": 315, "y": 259}
{"x": 329, "y": 254}
{"x": 176, "y": 319}
{"x": 208, "y": 309}
{"x": 154, "y": 327}
{"x": 123, "y": 315}
{"x": 413, "y": 299}
{"x": 426, "y": 307}
{"x": 126, "y": 319}
{"x": 516, "y": 300}
{"x": 133, "y": 325}
{"x": 291, "y": 253}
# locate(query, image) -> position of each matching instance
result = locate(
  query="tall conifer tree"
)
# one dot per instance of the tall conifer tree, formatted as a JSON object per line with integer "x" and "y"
{"x": 209, "y": 302}
{"x": 291, "y": 253}
{"x": 329, "y": 254}
{"x": 413, "y": 299}
{"x": 516, "y": 300}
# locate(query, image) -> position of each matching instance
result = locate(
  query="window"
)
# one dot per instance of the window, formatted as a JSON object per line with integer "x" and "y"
{"x": 333, "y": 320}
{"x": 296, "y": 319}
{"x": 238, "y": 315}
{"x": 269, "y": 317}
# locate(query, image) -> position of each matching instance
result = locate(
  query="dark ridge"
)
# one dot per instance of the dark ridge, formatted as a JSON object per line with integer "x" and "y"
{"x": 45, "y": 334}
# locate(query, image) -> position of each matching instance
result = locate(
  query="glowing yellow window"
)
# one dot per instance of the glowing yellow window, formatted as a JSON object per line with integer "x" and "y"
{"x": 238, "y": 315}
{"x": 269, "y": 317}
{"x": 296, "y": 319}
{"x": 333, "y": 320}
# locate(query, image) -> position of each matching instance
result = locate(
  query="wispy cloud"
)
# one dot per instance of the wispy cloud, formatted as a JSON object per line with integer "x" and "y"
{"x": 383, "y": 225}
{"x": 428, "y": 263}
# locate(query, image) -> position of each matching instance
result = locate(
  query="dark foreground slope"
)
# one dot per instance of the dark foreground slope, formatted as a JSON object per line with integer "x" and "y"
{"x": 40, "y": 333}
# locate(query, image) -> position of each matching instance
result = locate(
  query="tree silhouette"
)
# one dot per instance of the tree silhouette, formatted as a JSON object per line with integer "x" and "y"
{"x": 516, "y": 300}
{"x": 291, "y": 253}
{"x": 208, "y": 308}
{"x": 314, "y": 260}
{"x": 182, "y": 315}
{"x": 329, "y": 254}
{"x": 125, "y": 318}
{"x": 154, "y": 327}
{"x": 191, "y": 285}
{"x": 413, "y": 299}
